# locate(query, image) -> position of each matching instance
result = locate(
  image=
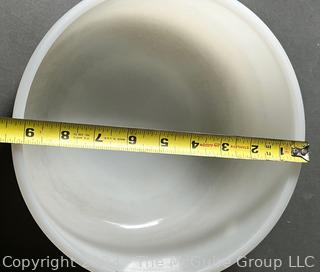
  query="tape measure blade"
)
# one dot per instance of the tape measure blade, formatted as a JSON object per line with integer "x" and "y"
{"x": 34, "y": 132}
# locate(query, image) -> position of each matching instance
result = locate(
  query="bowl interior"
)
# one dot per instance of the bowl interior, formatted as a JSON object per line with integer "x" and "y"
{"x": 177, "y": 65}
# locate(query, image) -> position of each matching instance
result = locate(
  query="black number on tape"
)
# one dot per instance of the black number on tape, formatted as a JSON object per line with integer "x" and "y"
{"x": 98, "y": 139}
{"x": 195, "y": 144}
{"x": 132, "y": 140}
{"x": 254, "y": 149}
{"x": 30, "y": 132}
{"x": 65, "y": 135}
{"x": 164, "y": 142}
{"x": 225, "y": 147}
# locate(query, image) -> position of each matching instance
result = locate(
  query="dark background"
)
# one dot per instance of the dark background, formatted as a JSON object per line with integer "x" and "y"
{"x": 296, "y": 23}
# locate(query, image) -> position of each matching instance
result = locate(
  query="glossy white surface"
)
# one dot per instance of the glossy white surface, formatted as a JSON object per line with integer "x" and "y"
{"x": 204, "y": 66}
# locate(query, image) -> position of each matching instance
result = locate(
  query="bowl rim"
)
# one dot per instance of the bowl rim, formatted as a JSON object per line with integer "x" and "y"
{"x": 25, "y": 85}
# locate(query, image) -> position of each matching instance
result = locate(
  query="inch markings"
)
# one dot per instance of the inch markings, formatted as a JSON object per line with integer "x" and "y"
{"x": 35, "y": 132}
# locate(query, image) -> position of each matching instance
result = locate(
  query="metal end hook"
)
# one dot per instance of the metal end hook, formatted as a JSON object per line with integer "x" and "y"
{"x": 303, "y": 153}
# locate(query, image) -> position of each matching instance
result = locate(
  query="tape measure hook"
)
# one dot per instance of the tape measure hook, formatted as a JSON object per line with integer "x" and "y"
{"x": 303, "y": 152}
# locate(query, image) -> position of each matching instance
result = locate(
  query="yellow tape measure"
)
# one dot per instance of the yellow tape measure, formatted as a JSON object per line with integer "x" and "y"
{"x": 21, "y": 131}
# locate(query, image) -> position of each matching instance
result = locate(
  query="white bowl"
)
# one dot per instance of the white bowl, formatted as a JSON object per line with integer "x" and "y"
{"x": 207, "y": 66}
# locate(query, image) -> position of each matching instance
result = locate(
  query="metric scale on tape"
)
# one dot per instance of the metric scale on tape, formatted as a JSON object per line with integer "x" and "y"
{"x": 34, "y": 132}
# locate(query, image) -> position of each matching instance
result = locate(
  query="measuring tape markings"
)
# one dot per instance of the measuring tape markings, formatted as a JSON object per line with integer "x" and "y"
{"x": 22, "y": 131}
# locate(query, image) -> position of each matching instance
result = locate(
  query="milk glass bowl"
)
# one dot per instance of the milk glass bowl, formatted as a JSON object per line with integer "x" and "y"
{"x": 193, "y": 65}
